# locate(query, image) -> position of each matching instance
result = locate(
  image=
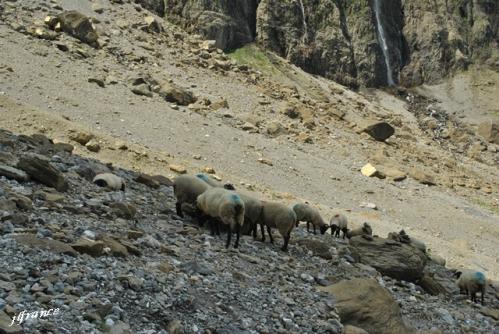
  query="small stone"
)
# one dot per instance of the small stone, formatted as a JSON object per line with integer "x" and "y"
{"x": 147, "y": 180}
{"x": 153, "y": 24}
{"x": 39, "y": 168}
{"x": 97, "y": 81}
{"x": 368, "y": 205}
{"x": 124, "y": 210}
{"x": 90, "y": 247}
{"x": 178, "y": 169}
{"x": 371, "y": 171}
{"x": 422, "y": 177}
{"x": 265, "y": 161}
{"x": 81, "y": 137}
{"x": 142, "y": 89}
{"x": 93, "y": 146}
{"x": 209, "y": 170}
{"x": 379, "y": 131}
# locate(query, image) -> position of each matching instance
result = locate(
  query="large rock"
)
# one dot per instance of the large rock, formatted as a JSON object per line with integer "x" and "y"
{"x": 489, "y": 131}
{"x": 231, "y": 23}
{"x": 379, "y": 131}
{"x": 78, "y": 26}
{"x": 363, "y": 303}
{"x": 40, "y": 169}
{"x": 13, "y": 173}
{"x": 173, "y": 93}
{"x": 389, "y": 257}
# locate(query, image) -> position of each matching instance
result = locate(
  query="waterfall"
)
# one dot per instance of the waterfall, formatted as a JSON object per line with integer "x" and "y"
{"x": 303, "y": 21}
{"x": 382, "y": 42}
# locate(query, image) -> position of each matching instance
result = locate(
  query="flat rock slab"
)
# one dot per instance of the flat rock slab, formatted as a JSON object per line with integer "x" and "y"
{"x": 391, "y": 258}
{"x": 13, "y": 173}
{"x": 55, "y": 246}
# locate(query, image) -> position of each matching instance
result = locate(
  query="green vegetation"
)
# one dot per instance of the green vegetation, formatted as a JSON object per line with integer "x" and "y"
{"x": 254, "y": 57}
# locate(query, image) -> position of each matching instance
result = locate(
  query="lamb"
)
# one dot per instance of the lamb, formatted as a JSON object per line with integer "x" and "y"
{"x": 225, "y": 205}
{"x": 470, "y": 282}
{"x": 214, "y": 183}
{"x": 338, "y": 223}
{"x": 186, "y": 189}
{"x": 364, "y": 230}
{"x": 277, "y": 215}
{"x": 306, "y": 213}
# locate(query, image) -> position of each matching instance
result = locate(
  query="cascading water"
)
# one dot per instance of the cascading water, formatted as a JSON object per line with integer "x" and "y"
{"x": 382, "y": 41}
{"x": 303, "y": 21}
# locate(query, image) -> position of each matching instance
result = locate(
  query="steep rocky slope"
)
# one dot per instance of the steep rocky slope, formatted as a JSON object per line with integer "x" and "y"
{"x": 426, "y": 41}
{"x": 156, "y": 99}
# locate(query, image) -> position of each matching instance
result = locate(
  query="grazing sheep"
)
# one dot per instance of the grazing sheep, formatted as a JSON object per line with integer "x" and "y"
{"x": 214, "y": 183}
{"x": 306, "y": 213}
{"x": 110, "y": 181}
{"x": 470, "y": 282}
{"x": 186, "y": 189}
{"x": 252, "y": 213}
{"x": 279, "y": 216}
{"x": 225, "y": 205}
{"x": 364, "y": 230}
{"x": 339, "y": 223}
{"x": 404, "y": 237}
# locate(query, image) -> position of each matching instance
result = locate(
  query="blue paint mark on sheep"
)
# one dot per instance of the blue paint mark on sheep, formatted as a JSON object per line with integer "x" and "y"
{"x": 480, "y": 277}
{"x": 203, "y": 177}
{"x": 235, "y": 198}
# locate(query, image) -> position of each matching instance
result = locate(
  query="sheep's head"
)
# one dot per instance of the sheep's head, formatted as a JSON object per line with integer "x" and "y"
{"x": 458, "y": 274}
{"x": 324, "y": 229}
{"x": 229, "y": 186}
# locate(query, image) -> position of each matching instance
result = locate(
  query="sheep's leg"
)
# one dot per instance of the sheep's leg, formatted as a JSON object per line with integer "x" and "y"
{"x": 212, "y": 227}
{"x": 238, "y": 233}
{"x": 315, "y": 232}
{"x": 263, "y": 232}
{"x": 270, "y": 235}
{"x": 286, "y": 241}
{"x": 217, "y": 226}
{"x": 344, "y": 233}
{"x": 178, "y": 207}
{"x": 297, "y": 223}
{"x": 333, "y": 230}
{"x": 255, "y": 227}
{"x": 308, "y": 227}
{"x": 229, "y": 236}
{"x": 482, "y": 293}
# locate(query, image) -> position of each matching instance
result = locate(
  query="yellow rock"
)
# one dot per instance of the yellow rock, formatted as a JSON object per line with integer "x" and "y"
{"x": 371, "y": 171}
{"x": 178, "y": 169}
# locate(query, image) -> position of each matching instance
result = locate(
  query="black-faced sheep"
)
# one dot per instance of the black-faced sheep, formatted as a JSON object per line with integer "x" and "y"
{"x": 252, "y": 214}
{"x": 306, "y": 213}
{"x": 279, "y": 216}
{"x": 226, "y": 206}
{"x": 214, "y": 183}
{"x": 364, "y": 230}
{"x": 338, "y": 223}
{"x": 470, "y": 282}
{"x": 110, "y": 181}
{"x": 187, "y": 188}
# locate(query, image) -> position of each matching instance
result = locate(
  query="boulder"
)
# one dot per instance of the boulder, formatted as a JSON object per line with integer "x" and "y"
{"x": 363, "y": 303}
{"x": 78, "y": 26}
{"x": 148, "y": 180}
{"x": 489, "y": 131}
{"x": 90, "y": 247}
{"x": 317, "y": 247}
{"x": 391, "y": 258}
{"x": 379, "y": 131}
{"x": 40, "y": 169}
{"x": 81, "y": 137}
{"x": 173, "y": 93}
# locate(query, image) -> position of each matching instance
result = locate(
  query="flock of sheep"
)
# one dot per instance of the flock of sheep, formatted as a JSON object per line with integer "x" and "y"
{"x": 220, "y": 205}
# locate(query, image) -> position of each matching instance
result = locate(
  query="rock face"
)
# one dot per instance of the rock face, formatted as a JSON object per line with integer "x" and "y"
{"x": 365, "y": 304}
{"x": 391, "y": 258}
{"x": 339, "y": 39}
{"x": 489, "y": 131}
{"x": 231, "y": 23}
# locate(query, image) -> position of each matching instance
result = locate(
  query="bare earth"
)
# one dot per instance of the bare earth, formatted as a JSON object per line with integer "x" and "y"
{"x": 47, "y": 90}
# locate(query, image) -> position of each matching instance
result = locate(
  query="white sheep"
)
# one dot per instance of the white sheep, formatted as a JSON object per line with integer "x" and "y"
{"x": 338, "y": 223}
{"x": 214, "y": 183}
{"x": 364, "y": 230}
{"x": 252, "y": 214}
{"x": 470, "y": 282}
{"x": 110, "y": 181}
{"x": 279, "y": 216}
{"x": 225, "y": 205}
{"x": 311, "y": 215}
{"x": 186, "y": 189}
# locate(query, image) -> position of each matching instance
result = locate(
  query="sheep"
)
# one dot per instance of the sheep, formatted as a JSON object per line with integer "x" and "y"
{"x": 364, "y": 230}
{"x": 252, "y": 213}
{"x": 404, "y": 237}
{"x": 110, "y": 181}
{"x": 470, "y": 282}
{"x": 186, "y": 189}
{"x": 225, "y": 205}
{"x": 277, "y": 215}
{"x": 214, "y": 183}
{"x": 306, "y": 213}
{"x": 338, "y": 223}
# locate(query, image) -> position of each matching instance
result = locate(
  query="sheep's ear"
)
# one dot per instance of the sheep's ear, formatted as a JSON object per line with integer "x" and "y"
{"x": 458, "y": 274}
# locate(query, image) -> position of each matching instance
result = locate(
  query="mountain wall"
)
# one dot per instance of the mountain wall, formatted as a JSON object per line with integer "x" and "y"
{"x": 339, "y": 39}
